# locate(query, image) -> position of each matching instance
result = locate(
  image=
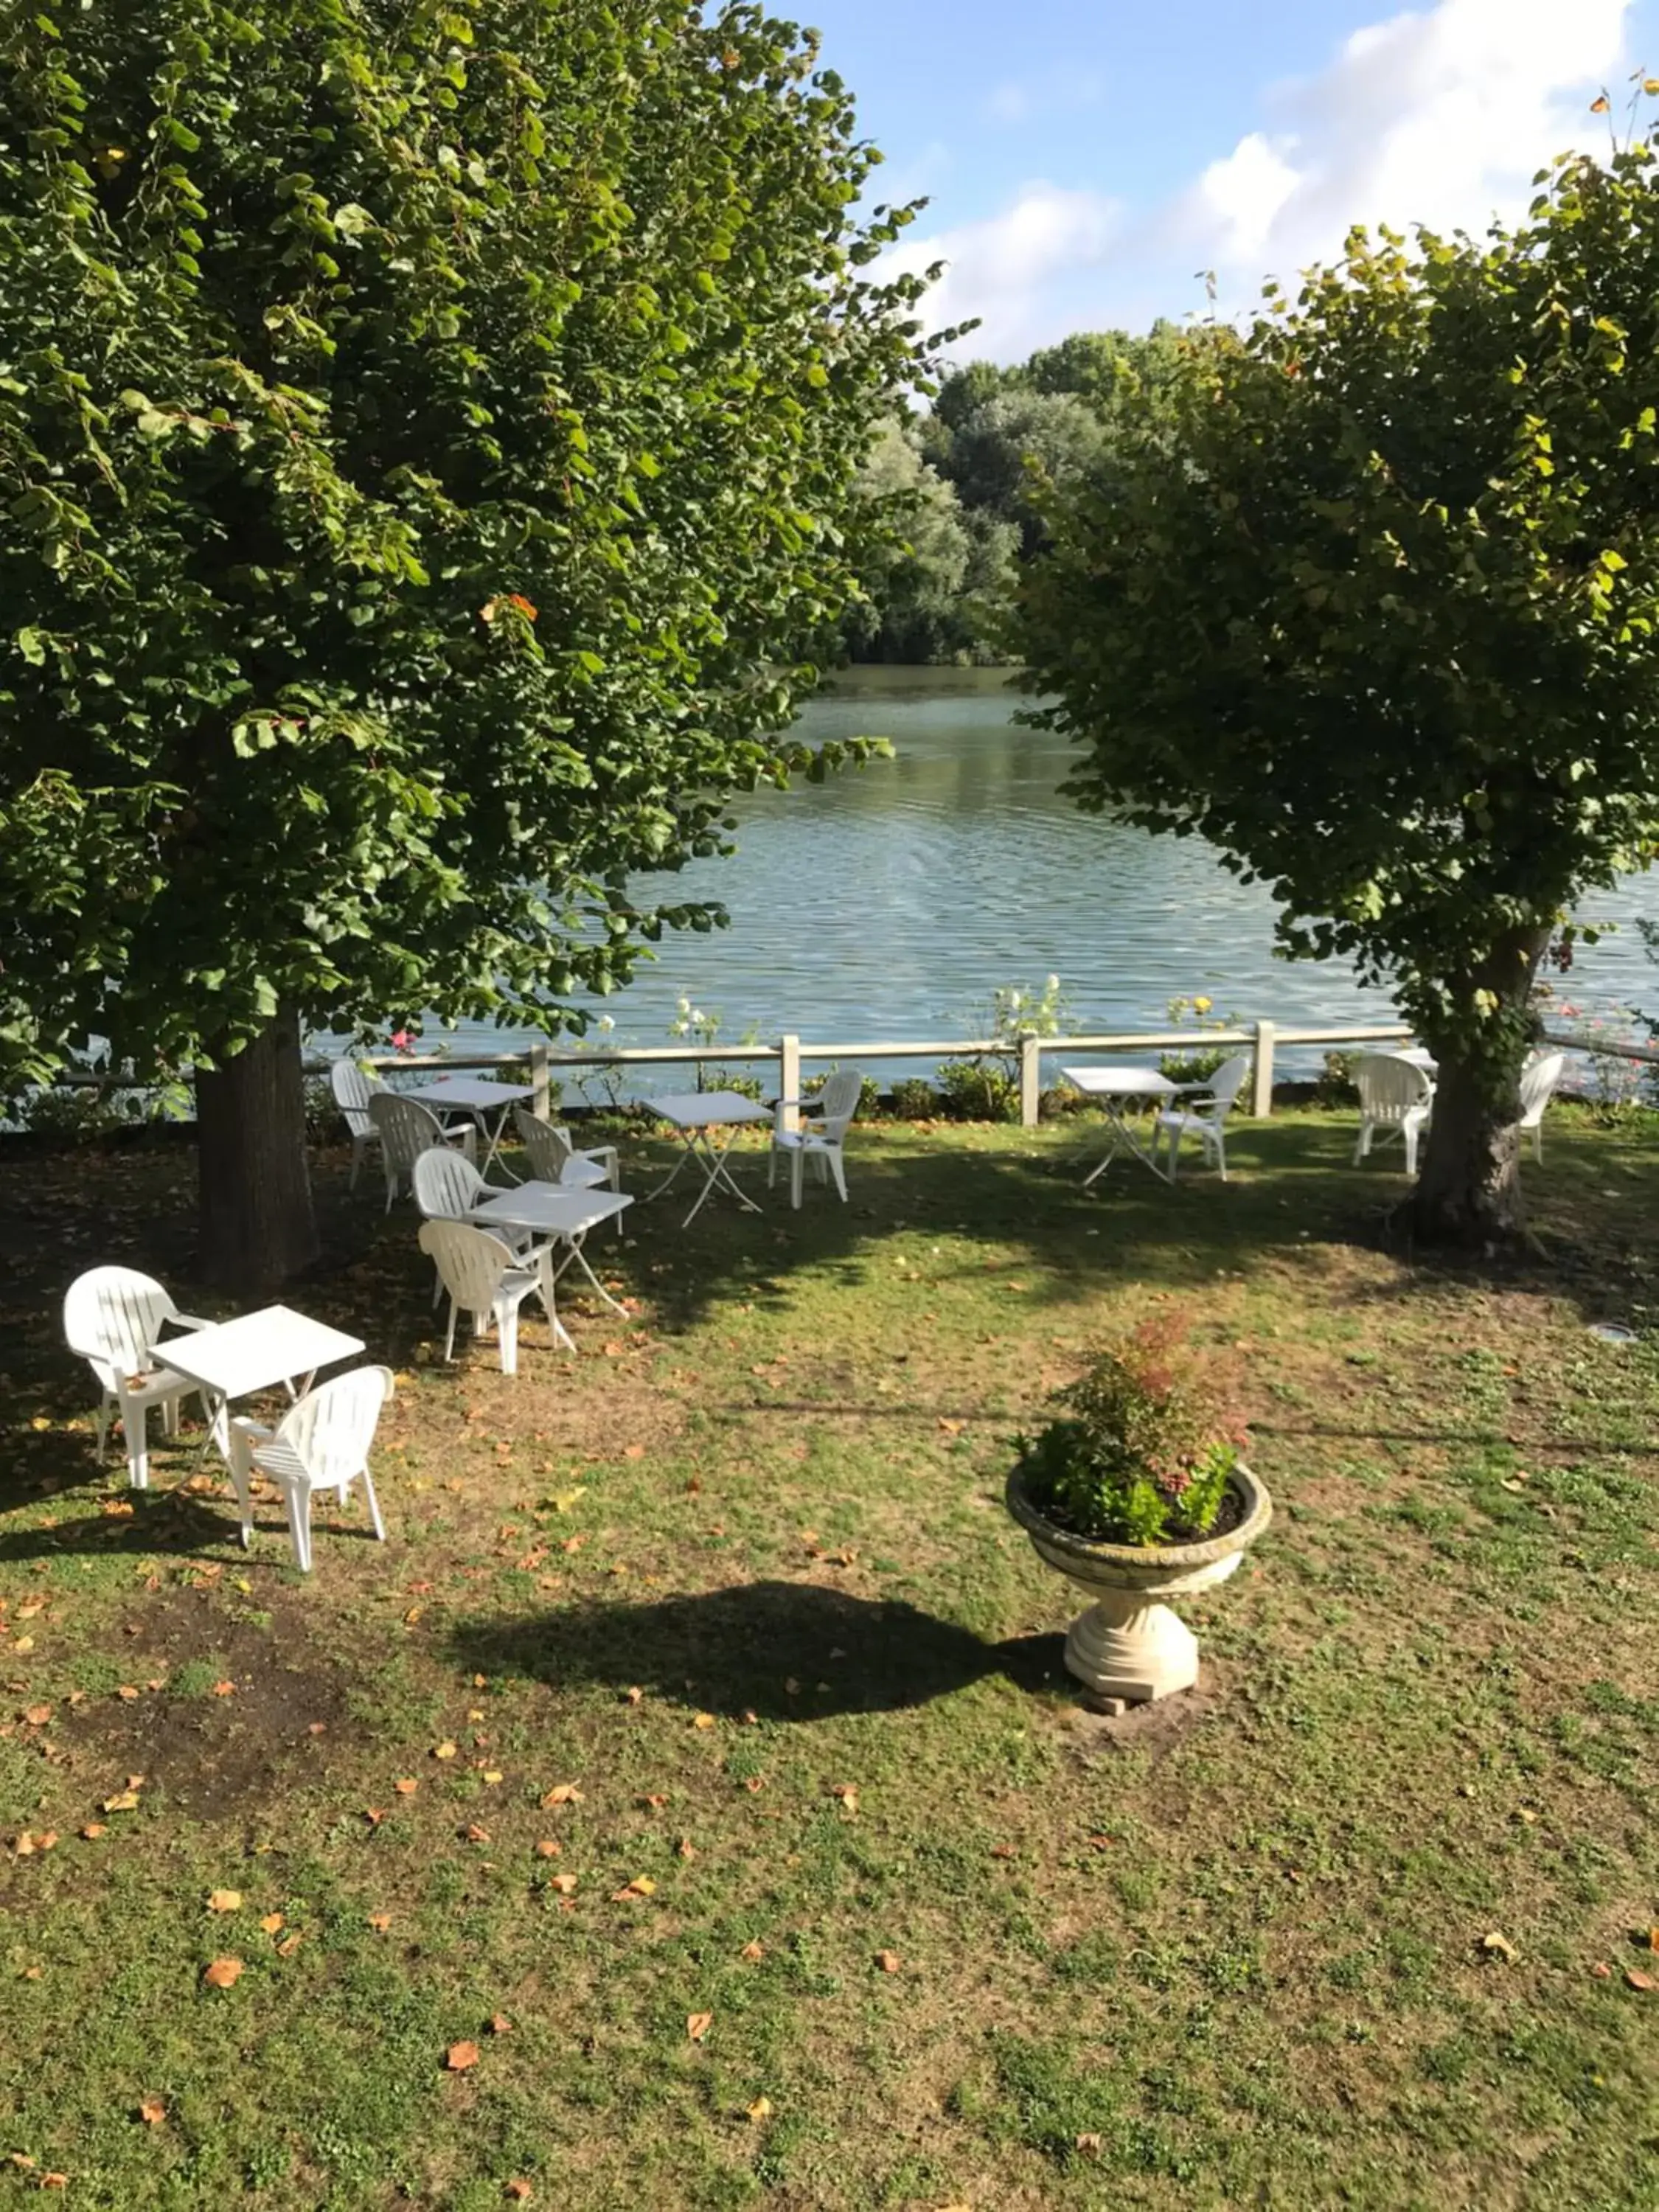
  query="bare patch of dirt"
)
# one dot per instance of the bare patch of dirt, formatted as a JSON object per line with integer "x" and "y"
{"x": 283, "y": 1722}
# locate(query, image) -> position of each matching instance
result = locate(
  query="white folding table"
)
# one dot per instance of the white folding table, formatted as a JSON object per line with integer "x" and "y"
{"x": 557, "y": 1213}
{"x": 697, "y": 1115}
{"x": 477, "y": 1095}
{"x": 256, "y": 1352}
{"x": 1116, "y": 1088}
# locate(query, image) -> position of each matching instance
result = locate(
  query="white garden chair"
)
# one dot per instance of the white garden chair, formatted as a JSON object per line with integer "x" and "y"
{"x": 554, "y": 1158}
{"x": 407, "y": 1129}
{"x": 1204, "y": 1116}
{"x": 448, "y": 1188}
{"x": 1540, "y": 1079}
{"x": 113, "y": 1317}
{"x": 485, "y": 1278}
{"x": 354, "y": 1090}
{"x": 320, "y": 1443}
{"x": 1396, "y": 1097}
{"x": 822, "y": 1133}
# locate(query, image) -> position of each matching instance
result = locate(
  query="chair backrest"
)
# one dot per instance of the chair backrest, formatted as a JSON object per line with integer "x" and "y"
{"x": 1226, "y": 1084}
{"x": 407, "y": 1129}
{"x": 470, "y": 1262}
{"x": 547, "y": 1146}
{"x": 1538, "y": 1079}
{"x": 1389, "y": 1087}
{"x": 839, "y": 1099}
{"x": 353, "y": 1090}
{"x": 112, "y": 1316}
{"x": 331, "y": 1429}
{"x": 447, "y": 1185}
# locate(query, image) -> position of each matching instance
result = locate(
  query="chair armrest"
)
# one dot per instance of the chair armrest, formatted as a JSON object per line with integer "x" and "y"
{"x": 191, "y": 1320}
{"x": 242, "y": 1427}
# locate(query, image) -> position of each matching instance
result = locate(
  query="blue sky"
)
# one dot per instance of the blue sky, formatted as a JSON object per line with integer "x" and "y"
{"x": 1084, "y": 158}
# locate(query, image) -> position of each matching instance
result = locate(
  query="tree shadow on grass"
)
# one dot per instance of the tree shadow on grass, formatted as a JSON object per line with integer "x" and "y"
{"x": 784, "y": 1651}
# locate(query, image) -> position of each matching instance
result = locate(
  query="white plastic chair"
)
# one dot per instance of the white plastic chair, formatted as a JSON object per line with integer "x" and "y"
{"x": 1540, "y": 1079}
{"x": 1204, "y": 1116}
{"x": 407, "y": 1129}
{"x": 821, "y": 1135}
{"x": 449, "y": 1188}
{"x": 113, "y": 1317}
{"x": 1396, "y": 1097}
{"x": 484, "y": 1278}
{"x": 320, "y": 1443}
{"x": 354, "y": 1090}
{"x": 554, "y": 1158}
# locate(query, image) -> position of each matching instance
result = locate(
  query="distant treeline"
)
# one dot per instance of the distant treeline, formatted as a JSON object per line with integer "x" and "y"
{"x": 956, "y": 483}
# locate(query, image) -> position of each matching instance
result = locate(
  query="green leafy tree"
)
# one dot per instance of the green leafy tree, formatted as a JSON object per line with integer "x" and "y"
{"x": 1372, "y": 605}
{"x": 996, "y": 450}
{"x": 427, "y": 430}
{"x": 934, "y": 575}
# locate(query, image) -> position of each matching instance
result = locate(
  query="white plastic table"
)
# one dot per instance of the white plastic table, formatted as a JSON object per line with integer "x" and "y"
{"x": 557, "y": 1214}
{"x": 1115, "y": 1087}
{"x": 256, "y": 1352}
{"x": 697, "y": 1115}
{"x": 474, "y": 1095}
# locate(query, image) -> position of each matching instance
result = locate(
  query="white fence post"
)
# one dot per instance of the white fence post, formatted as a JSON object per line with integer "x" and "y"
{"x": 789, "y": 1077}
{"x": 1261, "y": 1098}
{"x": 540, "y": 1101}
{"x": 1030, "y": 1080}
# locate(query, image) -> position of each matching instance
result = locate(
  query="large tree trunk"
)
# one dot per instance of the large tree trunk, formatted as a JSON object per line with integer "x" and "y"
{"x": 258, "y": 1227}
{"x": 1468, "y": 1192}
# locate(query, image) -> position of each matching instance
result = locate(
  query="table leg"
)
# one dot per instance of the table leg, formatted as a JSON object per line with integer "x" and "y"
{"x": 580, "y": 1259}
{"x": 673, "y": 1176}
{"x": 493, "y": 1145}
{"x": 1124, "y": 1140}
{"x": 718, "y": 1174}
{"x": 550, "y": 1277}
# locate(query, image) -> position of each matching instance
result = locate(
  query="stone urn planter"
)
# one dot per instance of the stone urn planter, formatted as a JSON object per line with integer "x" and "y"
{"x": 1128, "y": 1645}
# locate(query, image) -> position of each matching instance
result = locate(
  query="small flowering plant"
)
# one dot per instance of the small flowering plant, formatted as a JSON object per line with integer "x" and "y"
{"x": 1141, "y": 1452}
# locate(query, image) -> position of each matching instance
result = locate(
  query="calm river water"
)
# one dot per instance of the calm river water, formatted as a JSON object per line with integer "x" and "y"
{"x": 890, "y": 901}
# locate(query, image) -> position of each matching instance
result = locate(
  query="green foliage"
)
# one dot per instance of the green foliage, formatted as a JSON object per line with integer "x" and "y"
{"x": 984, "y": 1086}
{"x": 429, "y": 433}
{"x": 913, "y": 1099}
{"x": 1141, "y": 1454}
{"x": 1199, "y": 1066}
{"x": 1370, "y": 601}
{"x": 931, "y": 583}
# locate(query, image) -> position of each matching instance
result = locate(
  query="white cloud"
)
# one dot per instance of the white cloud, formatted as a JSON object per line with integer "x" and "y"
{"x": 1000, "y": 269}
{"x": 1439, "y": 115}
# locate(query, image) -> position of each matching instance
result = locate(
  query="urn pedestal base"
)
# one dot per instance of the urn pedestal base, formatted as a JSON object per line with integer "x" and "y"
{"x": 1131, "y": 1650}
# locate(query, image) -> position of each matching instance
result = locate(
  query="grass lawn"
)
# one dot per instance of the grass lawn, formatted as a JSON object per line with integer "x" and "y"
{"x": 698, "y": 1748}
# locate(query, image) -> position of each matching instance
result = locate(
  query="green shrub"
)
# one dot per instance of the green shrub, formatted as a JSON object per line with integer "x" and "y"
{"x": 913, "y": 1099}
{"x": 1141, "y": 1452}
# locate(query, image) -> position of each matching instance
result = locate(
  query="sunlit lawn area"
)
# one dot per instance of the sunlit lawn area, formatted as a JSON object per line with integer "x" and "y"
{"x": 736, "y": 1584}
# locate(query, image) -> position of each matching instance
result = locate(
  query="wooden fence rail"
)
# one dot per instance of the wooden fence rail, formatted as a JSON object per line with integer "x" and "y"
{"x": 1263, "y": 1040}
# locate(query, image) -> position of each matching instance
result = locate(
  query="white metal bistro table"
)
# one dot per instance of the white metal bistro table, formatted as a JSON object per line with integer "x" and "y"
{"x": 256, "y": 1352}
{"x": 555, "y": 1213}
{"x": 697, "y": 1115}
{"x": 1116, "y": 1088}
{"x": 477, "y": 1095}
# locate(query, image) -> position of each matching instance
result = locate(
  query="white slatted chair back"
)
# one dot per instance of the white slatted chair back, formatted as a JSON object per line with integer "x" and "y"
{"x": 1390, "y": 1089}
{"x": 331, "y": 1429}
{"x": 1226, "y": 1085}
{"x": 1540, "y": 1079}
{"x": 446, "y": 1186}
{"x": 839, "y": 1101}
{"x": 470, "y": 1262}
{"x": 547, "y": 1147}
{"x": 112, "y": 1316}
{"x": 407, "y": 1129}
{"x": 354, "y": 1090}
